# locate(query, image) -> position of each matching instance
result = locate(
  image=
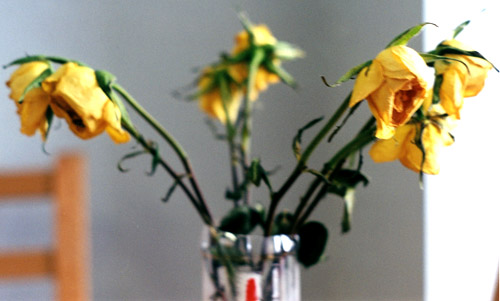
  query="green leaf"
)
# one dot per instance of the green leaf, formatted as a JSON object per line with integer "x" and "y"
{"x": 348, "y": 209}
{"x": 127, "y": 157}
{"x": 407, "y": 35}
{"x": 430, "y": 58}
{"x": 256, "y": 173}
{"x": 344, "y": 179}
{"x": 36, "y": 83}
{"x": 459, "y": 28}
{"x": 297, "y": 140}
{"x": 241, "y": 220}
{"x": 445, "y": 49}
{"x": 351, "y": 74}
{"x": 283, "y": 223}
{"x": 313, "y": 238}
{"x": 170, "y": 191}
{"x": 155, "y": 160}
{"x": 350, "y": 177}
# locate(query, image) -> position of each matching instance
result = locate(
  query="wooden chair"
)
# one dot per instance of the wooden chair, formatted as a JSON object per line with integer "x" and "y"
{"x": 68, "y": 261}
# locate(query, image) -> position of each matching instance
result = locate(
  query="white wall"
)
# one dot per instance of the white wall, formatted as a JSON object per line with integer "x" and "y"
{"x": 146, "y": 250}
{"x": 462, "y": 205}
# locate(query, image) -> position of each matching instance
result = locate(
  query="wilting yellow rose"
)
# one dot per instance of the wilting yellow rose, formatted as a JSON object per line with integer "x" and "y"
{"x": 262, "y": 36}
{"x": 77, "y": 97}
{"x": 402, "y": 145}
{"x": 460, "y": 81}
{"x": 394, "y": 86}
{"x": 210, "y": 101}
{"x": 32, "y": 111}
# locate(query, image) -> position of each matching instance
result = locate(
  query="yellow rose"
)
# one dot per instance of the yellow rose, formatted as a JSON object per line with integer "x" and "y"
{"x": 32, "y": 111}
{"x": 77, "y": 97}
{"x": 460, "y": 81}
{"x": 403, "y": 146}
{"x": 394, "y": 86}
{"x": 210, "y": 101}
{"x": 262, "y": 36}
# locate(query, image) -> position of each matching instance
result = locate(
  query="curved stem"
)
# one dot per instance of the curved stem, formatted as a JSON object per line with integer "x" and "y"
{"x": 205, "y": 215}
{"x": 301, "y": 164}
{"x": 365, "y": 136}
{"x": 170, "y": 140}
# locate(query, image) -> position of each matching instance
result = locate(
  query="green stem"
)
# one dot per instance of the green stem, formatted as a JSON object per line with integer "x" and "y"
{"x": 246, "y": 131}
{"x": 365, "y": 137}
{"x": 171, "y": 141}
{"x": 301, "y": 164}
{"x": 230, "y": 134}
{"x": 148, "y": 146}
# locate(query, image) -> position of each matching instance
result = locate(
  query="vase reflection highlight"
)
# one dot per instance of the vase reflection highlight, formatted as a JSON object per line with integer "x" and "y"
{"x": 249, "y": 267}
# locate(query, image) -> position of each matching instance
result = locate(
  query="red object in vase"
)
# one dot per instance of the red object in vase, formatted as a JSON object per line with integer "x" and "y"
{"x": 251, "y": 290}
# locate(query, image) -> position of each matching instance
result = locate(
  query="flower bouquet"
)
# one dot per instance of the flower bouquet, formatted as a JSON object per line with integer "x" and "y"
{"x": 415, "y": 99}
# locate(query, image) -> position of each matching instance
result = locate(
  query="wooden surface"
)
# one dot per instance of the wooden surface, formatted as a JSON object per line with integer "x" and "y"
{"x": 68, "y": 261}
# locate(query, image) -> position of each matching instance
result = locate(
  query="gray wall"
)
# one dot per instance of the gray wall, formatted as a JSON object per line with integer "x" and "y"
{"x": 144, "y": 249}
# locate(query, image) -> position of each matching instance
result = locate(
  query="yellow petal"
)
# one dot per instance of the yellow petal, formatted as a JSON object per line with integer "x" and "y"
{"x": 32, "y": 112}
{"x": 262, "y": 36}
{"x": 112, "y": 116}
{"x": 77, "y": 97}
{"x": 211, "y": 101}
{"x": 23, "y": 76}
{"x": 390, "y": 149}
{"x": 402, "y": 62}
{"x": 368, "y": 80}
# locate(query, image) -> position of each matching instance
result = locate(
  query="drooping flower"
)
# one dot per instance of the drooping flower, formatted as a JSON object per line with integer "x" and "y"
{"x": 394, "y": 85}
{"x": 77, "y": 97}
{"x": 32, "y": 110}
{"x": 415, "y": 142}
{"x": 262, "y": 36}
{"x": 212, "y": 85}
{"x": 463, "y": 78}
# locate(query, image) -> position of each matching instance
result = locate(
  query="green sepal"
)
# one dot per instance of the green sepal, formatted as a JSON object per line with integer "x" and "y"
{"x": 283, "y": 223}
{"x": 459, "y": 28}
{"x": 313, "y": 237}
{"x": 241, "y": 220}
{"x": 105, "y": 80}
{"x": 351, "y": 74}
{"x": 438, "y": 81}
{"x": 430, "y": 58}
{"x": 286, "y": 51}
{"x": 36, "y": 83}
{"x": 34, "y": 58}
{"x": 281, "y": 73}
{"x": 297, "y": 140}
{"x": 407, "y": 35}
{"x": 26, "y": 59}
{"x": 49, "y": 117}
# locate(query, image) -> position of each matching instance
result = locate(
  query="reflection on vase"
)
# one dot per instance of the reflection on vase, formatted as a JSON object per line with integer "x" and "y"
{"x": 249, "y": 267}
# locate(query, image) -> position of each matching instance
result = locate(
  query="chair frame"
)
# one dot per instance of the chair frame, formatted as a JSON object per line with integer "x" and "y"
{"x": 68, "y": 261}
